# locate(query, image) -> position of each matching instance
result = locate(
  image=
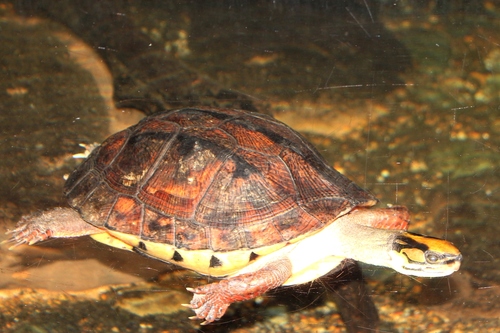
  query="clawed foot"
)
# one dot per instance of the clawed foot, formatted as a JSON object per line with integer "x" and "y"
{"x": 208, "y": 303}
{"x": 27, "y": 233}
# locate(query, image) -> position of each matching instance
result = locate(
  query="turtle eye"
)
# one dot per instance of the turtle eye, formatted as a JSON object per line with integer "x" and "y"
{"x": 432, "y": 257}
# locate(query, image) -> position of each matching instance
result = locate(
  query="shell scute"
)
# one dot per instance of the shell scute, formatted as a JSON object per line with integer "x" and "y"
{"x": 158, "y": 227}
{"x": 126, "y": 216}
{"x": 317, "y": 184}
{"x": 191, "y": 235}
{"x": 108, "y": 150}
{"x": 229, "y": 236}
{"x": 146, "y": 146}
{"x": 241, "y": 193}
{"x": 78, "y": 189}
{"x": 183, "y": 175}
{"x": 276, "y": 132}
{"x": 98, "y": 204}
{"x": 248, "y": 138}
{"x": 261, "y": 234}
{"x": 288, "y": 227}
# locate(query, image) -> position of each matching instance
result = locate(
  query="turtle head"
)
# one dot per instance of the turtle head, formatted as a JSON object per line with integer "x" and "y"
{"x": 424, "y": 256}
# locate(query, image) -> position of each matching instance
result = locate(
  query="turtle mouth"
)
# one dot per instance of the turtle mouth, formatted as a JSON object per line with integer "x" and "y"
{"x": 455, "y": 263}
{"x": 448, "y": 268}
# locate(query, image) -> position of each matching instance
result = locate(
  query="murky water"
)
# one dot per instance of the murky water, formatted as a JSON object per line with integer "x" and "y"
{"x": 403, "y": 98}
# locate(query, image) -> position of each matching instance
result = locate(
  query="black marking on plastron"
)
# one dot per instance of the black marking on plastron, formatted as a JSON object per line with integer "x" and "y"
{"x": 253, "y": 256}
{"x": 147, "y": 255}
{"x": 142, "y": 246}
{"x": 215, "y": 262}
{"x": 177, "y": 257}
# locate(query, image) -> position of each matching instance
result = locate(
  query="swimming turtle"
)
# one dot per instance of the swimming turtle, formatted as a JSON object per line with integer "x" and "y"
{"x": 235, "y": 195}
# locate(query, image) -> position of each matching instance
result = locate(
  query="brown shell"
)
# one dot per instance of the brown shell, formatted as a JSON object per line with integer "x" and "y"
{"x": 204, "y": 178}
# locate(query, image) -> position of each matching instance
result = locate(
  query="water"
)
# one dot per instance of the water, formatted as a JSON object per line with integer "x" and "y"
{"x": 402, "y": 98}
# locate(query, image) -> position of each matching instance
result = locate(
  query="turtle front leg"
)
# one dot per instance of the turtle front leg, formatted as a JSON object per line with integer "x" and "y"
{"x": 211, "y": 301}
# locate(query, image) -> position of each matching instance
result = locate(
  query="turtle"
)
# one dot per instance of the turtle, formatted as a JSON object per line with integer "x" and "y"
{"x": 234, "y": 195}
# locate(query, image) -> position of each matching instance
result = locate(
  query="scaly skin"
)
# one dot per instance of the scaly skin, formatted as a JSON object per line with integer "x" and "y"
{"x": 54, "y": 223}
{"x": 211, "y": 301}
